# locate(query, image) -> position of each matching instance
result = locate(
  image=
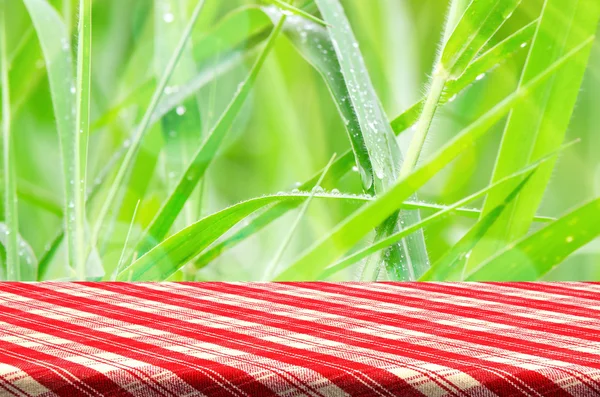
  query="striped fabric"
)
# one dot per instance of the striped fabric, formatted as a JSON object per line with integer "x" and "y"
{"x": 300, "y": 339}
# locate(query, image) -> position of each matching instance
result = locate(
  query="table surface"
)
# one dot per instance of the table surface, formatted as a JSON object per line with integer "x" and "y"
{"x": 296, "y": 339}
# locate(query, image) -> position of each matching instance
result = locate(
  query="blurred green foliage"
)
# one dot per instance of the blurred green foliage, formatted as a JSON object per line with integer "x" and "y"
{"x": 286, "y": 132}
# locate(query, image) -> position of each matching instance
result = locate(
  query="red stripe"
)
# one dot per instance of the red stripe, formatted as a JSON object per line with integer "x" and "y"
{"x": 499, "y": 341}
{"x": 80, "y": 380}
{"x": 554, "y": 289}
{"x": 556, "y": 307}
{"x": 327, "y": 367}
{"x": 144, "y": 352}
{"x": 268, "y": 319}
{"x": 464, "y": 363}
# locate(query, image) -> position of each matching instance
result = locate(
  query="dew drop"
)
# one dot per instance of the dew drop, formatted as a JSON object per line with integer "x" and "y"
{"x": 523, "y": 45}
{"x": 168, "y": 17}
{"x": 355, "y": 169}
{"x": 569, "y": 239}
{"x": 452, "y": 98}
{"x": 480, "y": 77}
{"x": 180, "y": 110}
{"x": 73, "y": 90}
{"x": 335, "y": 191}
{"x": 295, "y": 191}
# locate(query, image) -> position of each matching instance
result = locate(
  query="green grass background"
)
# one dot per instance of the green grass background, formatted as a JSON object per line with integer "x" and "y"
{"x": 287, "y": 130}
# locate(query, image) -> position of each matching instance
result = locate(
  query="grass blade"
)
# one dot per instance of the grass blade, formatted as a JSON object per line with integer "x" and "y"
{"x": 449, "y": 268}
{"x": 562, "y": 27}
{"x": 181, "y": 126}
{"x": 409, "y": 258}
{"x": 532, "y": 257}
{"x": 26, "y": 260}
{"x": 84, "y": 82}
{"x": 455, "y": 208}
{"x": 345, "y": 162}
{"x": 273, "y": 264}
{"x": 356, "y": 226}
{"x": 55, "y": 42}
{"x": 11, "y": 214}
{"x": 136, "y": 140}
{"x": 163, "y": 221}
{"x": 167, "y": 257}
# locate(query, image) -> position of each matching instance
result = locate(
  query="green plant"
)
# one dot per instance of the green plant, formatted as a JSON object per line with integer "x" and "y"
{"x": 168, "y": 115}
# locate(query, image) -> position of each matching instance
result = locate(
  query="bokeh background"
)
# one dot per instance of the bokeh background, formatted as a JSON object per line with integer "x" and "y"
{"x": 287, "y": 131}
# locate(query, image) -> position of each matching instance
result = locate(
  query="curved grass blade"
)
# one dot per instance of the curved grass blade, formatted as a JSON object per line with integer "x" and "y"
{"x": 440, "y": 270}
{"x": 167, "y": 257}
{"x": 546, "y": 117}
{"x": 220, "y": 51}
{"x": 345, "y": 162}
{"x": 138, "y": 136}
{"x": 55, "y": 42}
{"x": 409, "y": 258}
{"x": 356, "y": 226}
{"x": 13, "y": 269}
{"x": 26, "y": 260}
{"x": 163, "y": 221}
{"x": 451, "y": 267}
{"x": 273, "y": 264}
{"x": 84, "y": 89}
{"x": 534, "y": 256}
{"x": 181, "y": 127}
{"x": 459, "y": 250}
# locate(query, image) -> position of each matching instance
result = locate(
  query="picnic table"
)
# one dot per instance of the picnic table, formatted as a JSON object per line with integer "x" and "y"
{"x": 299, "y": 339}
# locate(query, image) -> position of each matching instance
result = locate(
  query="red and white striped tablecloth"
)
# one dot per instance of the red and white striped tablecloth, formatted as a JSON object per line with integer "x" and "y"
{"x": 300, "y": 339}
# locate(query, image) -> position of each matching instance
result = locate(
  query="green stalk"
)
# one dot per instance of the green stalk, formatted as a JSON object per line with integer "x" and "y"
{"x": 136, "y": 140}
{"x": 10, "y": 186}
{"x": 438, "y": 82}
{"x": 84, "y": 70}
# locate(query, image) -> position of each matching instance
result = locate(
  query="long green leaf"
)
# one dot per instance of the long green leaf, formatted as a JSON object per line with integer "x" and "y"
{"x": 13, "y": 269}
{"x": 544, "y": 118}
{"x": 461, "y": 248}
{"x": 55, "y": 42}
{"x": 355, "y": 227}
{"x": 26, "y": 260}
{"x": 181, "y": 127}
{"x": 84, "y": 82}
{"x": 203, "y": 157}
{"x": 532, "y": 257}
{"x": 138, "y": 136}
{"x": 344, "y": 163}
{"x": 449, "y": 267}
{"x": 167, "y": 257}
{"x": 336, "y": 54}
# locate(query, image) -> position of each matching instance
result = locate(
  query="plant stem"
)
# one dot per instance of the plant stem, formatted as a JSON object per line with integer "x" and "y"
{"x": 10, "y": 187}
{"x": 84, "y": 69}
{"x": 436, "y": 89}
{"x": 424, "y": 123}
